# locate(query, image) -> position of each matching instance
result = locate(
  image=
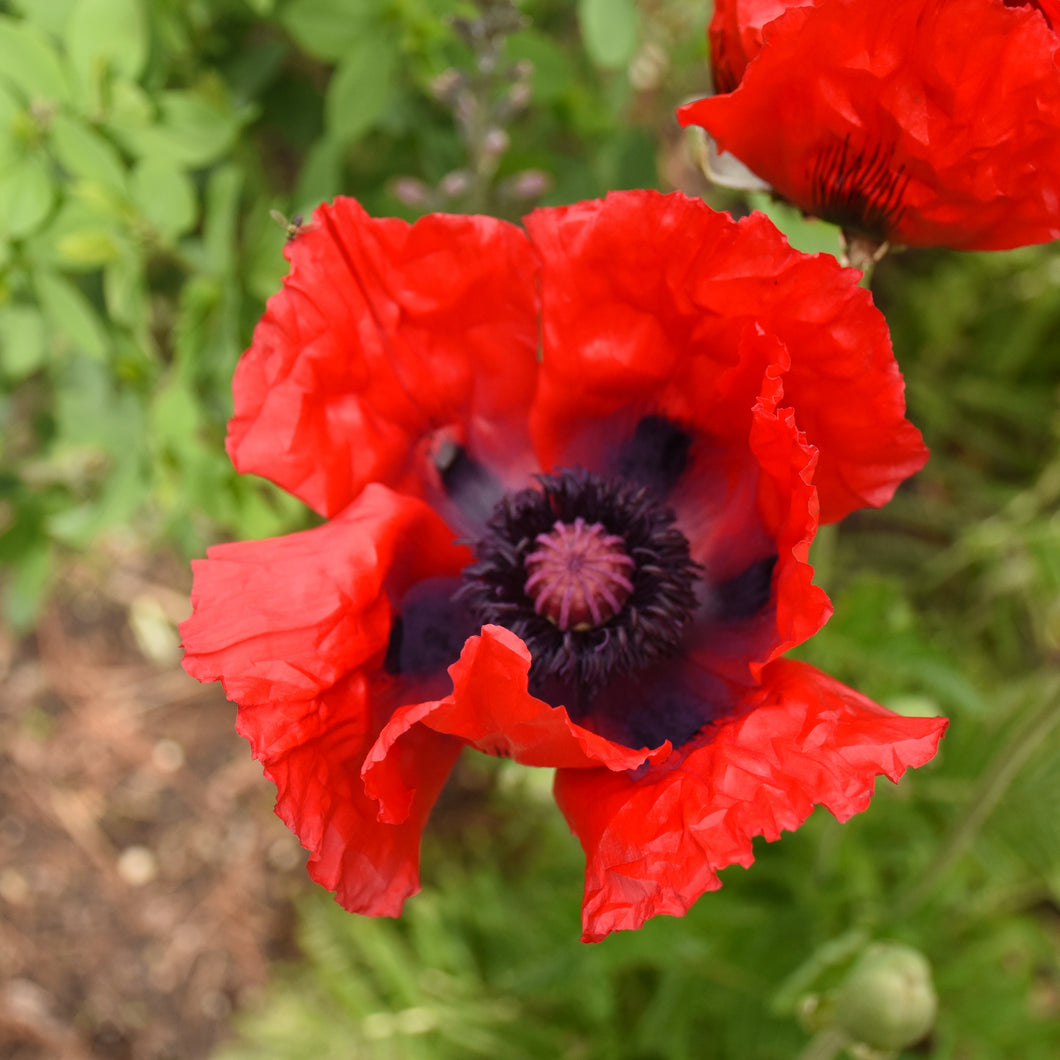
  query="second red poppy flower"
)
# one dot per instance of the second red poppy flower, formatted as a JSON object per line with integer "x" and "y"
{"x": 923, "y": 122}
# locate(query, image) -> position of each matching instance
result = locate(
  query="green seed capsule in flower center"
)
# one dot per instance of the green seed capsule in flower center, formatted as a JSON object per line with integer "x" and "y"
{"x": 579, "y": 575}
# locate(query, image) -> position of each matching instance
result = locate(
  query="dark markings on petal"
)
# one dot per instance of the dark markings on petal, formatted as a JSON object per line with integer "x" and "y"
{"x": 748, "y": 592}
{"x": 660, "y": 712}
{"x": 656, "y": 455}
{"x": 474, "y": 490}
{"x": 860, "y": 190}
{"x": 429, "y": 633}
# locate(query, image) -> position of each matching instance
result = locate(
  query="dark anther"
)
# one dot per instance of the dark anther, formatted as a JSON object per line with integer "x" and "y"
{"x": 656, "y": 455}
{"x": 748, "y": 592}
{"x": 860, "y": 190}
{"x": 626, "y": 629}
{"x": 466, "y": 481}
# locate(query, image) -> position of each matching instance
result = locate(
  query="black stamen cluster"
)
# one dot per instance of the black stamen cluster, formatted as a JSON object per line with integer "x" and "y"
{"x": 649, "y": 625}
{"x": 859, "y": 190}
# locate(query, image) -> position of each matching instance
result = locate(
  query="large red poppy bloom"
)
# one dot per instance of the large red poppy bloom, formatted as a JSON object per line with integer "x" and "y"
{"x": 923, "y": 122}
{"x": 642, "y": 500}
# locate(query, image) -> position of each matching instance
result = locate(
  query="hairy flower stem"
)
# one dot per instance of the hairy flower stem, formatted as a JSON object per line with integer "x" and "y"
{"x": 992, "y": 787}
{"x": 862, "y": 252}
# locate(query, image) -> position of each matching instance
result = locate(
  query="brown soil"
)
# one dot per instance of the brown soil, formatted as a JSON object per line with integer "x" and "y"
{"x": 144, "y": 881}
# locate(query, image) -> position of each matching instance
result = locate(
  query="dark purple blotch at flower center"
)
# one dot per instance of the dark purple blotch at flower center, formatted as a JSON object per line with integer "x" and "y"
{"x": 591, "y": 571}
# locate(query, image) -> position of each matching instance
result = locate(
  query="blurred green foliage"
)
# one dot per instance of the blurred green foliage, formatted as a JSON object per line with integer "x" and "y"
{"x": 143, "y": 144}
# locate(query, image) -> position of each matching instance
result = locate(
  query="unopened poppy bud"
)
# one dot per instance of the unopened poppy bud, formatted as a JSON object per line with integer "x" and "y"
{"x": 887, "y": 1000}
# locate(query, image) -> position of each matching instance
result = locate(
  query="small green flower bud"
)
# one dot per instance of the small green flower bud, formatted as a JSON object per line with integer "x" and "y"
{"x": 887, "y": 1000}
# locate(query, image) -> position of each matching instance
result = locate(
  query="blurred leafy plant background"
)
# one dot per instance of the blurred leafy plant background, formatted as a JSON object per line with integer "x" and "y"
{"x": 143, "y": 145}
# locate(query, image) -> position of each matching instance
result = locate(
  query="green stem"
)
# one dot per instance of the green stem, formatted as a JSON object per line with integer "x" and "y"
{"x": 824, "y": 1045}
{"x": 993, "y": 785}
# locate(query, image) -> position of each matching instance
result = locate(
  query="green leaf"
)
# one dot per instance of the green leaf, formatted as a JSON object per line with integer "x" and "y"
{"x": 165, "y": 196}
{"x": 125, "y": 294}
{"x": 321, "y": 176}
{"x": 609, "y": 30}
{"x": 22, "y": 348}
{"x": 194, "y": 128}
{"x": 809, "y": 235}
{"x": 222, "y": 218}
{"x": 71, "y": 315}
{"x": 361, "y": 88}
{"x": 99, "y": 423}
{"x": 27, "y": 586}
{"x": 11, "y": 148}
{"x": 174, "y": 416}
{"x": 84, "y": 153}
{"x": 106, "y": 36}
{"x": 27, "y": 194}
{"x": 330, "y": 29}
{"x": 553, "y": 71}
{"x": 30, "y": 63}
{"x": 87, "y": 248}
{"x": 49, "y": 15}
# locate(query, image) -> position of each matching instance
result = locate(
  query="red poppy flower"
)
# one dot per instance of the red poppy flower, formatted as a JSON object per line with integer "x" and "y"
{"x": 641, "y": 499}
{"x": 923, "y": 122}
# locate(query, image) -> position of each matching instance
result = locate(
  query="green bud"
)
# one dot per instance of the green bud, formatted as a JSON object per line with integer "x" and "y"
{"x": 887, "y": 1001}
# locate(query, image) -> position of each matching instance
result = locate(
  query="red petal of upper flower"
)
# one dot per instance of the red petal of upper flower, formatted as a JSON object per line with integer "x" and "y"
{"x": 491, "y": 709}
{"x": 651, "y": 304}
{"x": 736, "y": 36}
{"x": 955, "y": 102}
{"x": 385, "y": 333}
{"x": 293, "y": 626}
{"x": 655, "y": 842}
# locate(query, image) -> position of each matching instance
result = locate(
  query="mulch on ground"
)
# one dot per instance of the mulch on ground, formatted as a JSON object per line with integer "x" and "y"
{"x": 145, "y": 883}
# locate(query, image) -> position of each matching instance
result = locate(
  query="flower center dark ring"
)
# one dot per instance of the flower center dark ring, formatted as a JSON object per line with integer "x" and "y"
{"x": 590, "y": 572}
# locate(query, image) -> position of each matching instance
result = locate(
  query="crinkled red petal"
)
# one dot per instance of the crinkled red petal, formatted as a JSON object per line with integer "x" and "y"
{"x": 386, "y": 337}
{"x": 960, "y": 98}
{"x": 736, "y": 36}
{"x": 491, "y": 709}
{"x": 295, "y": 629}
{"x": 743, "y": 505}
{"x": 653, "y": 303}
{"x": 655, "y": 841}
{"x": 788, "y": 505}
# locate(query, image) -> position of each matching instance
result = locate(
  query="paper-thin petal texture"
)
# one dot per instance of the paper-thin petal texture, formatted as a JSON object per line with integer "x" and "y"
{"x": 293, "y": 627}
{"x": 655, "y": 842}
{"x": 926, "y": 122}
{"x": 647, "y": 304}
{"x": 769, "y": 371}
{"x": 491, "y": 709}
{"x": 385, "y": 334}
{"x": 735, "y": 36}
